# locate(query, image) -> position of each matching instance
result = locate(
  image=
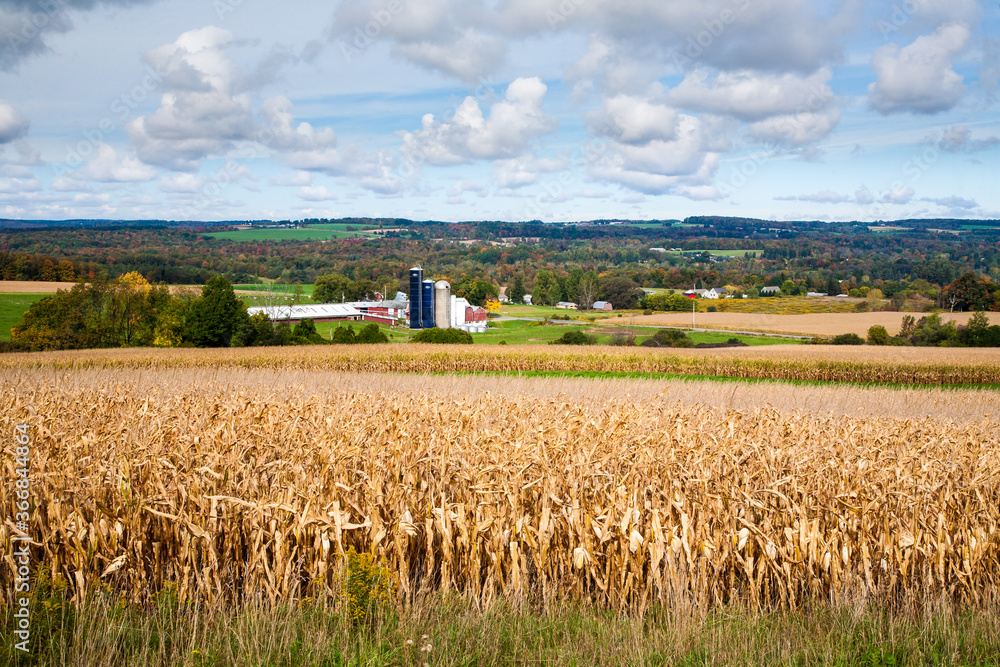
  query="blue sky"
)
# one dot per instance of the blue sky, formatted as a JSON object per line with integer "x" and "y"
{"x": 499, "y": 109}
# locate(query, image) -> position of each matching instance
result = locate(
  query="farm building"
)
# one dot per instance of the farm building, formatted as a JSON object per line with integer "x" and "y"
{"x": 467, "y": 317}
{"x": 380, "y": 312}
{"x": 566, "y": 305}
{"x": 603, "y": 305}
{"x": 770, "y": 290}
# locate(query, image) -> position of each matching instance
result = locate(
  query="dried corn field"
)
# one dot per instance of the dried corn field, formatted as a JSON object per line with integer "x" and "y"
{"x": 922, "y": 366}
{"x": 235, "y": 484}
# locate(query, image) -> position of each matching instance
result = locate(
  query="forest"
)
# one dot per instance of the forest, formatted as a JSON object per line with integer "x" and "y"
{"x": 911, "y": 257}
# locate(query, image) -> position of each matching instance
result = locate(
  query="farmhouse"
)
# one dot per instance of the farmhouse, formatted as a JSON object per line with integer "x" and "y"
{"x": 566, "y": 305}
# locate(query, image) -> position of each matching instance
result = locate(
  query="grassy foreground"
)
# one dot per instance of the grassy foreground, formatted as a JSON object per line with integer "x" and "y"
{"x": 446, "y": 630}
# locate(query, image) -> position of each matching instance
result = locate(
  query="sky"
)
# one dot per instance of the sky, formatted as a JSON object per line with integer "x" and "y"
{"x": 555, "y": 110}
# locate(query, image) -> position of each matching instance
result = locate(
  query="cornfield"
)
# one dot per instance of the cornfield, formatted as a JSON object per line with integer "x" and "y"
{"x": 879, "y": 365}
{"x": 233, "y": 491}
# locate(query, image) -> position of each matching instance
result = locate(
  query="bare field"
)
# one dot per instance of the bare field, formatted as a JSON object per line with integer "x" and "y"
{"x": 32, "y": 286}
{"x": 233, "y": 483}
{"x": 817, "y": 324}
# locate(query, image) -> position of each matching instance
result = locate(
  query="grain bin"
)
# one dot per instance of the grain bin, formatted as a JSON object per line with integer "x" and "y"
{"x": 442, "y": 304}
{"x": 427, "y": 303}
{"x": 416, "y": 312}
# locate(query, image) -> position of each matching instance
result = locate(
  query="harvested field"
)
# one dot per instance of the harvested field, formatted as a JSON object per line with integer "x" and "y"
{"x": 32, "y": 286}
{"x": 816, "y": 324}
{"x": 252, "y": 484}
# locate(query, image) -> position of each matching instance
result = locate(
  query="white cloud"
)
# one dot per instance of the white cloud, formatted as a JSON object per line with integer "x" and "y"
{"x": 285, "y": 135}
{"x": 306, "y": 148}
{"x": 783, "y": 109}
{"x": 863, "y": 196}
{"x": 13, "y": 125}
{"x": 953, "y": 202}
{"x": 201, "y": 112}
{"x": 456, "y": 191}
{"x": 822, "y": 197}
{"x": 751, "y": 96}
{"x": 19, "y": 185}
{"x": 919, "y": 77}
{"x": 27, "y": 24}
{"x": 680, "y": 165}
{"x": 512, "y": 124}
{"x": 183, "y": 183}
{"x": 897, "y": 195}
{"x": 958, "y": 139}
{"x": 631, "y": 119}
{"x": 316, "y": 193}
{"x": 525, "y": 170}
{"x": 468, "y": 56}
{"x": 108, "y": 167}
{"x": 795, "y": 129}
{"x": 450, "y": 36}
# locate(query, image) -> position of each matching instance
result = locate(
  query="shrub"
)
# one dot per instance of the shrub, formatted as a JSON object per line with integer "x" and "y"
{"x": 848, "y": 339}
{"x": 371, "y": 334}
{"x": 344, "y": 335}
{"x": 877, "y": 335}
{"x": 622, "y": 340}
{"x": 573, "y": 338}
{"x": 669, "y": 338}
{"x": 368, "y": 587}
{"x": 444, "y": 336}
{"x": 304, "y": 333}
{"x": 712, "y": 309}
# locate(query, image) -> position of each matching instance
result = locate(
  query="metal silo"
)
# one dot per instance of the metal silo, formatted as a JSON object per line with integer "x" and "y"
{"x": 427, "y": 303}
{"x": 442, "y": 304}
{"x": 416, "y": 312}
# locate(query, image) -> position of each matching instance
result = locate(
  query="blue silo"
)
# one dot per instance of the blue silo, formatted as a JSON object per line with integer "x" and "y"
{"x": 427, "y": 304}
{"x": 416, "y": 312}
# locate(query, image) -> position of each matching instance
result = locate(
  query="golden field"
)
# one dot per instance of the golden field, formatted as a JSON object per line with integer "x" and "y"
{"x": 32, "y": 286}
{"x": 863, "y": 364}
{"x": 235, "y": 481}
{"x": 815, "y": 324}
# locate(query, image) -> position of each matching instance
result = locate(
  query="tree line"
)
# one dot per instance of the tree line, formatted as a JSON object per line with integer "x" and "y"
{"x": 130, "y": 312}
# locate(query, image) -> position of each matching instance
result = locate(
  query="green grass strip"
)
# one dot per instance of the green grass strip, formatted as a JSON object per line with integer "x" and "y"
{"x": 695, "y": 377}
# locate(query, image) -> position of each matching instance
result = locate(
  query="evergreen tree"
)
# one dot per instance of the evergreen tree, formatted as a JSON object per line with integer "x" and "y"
{"x": 517, "y": 291}
{"x": 215, "y": 317}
